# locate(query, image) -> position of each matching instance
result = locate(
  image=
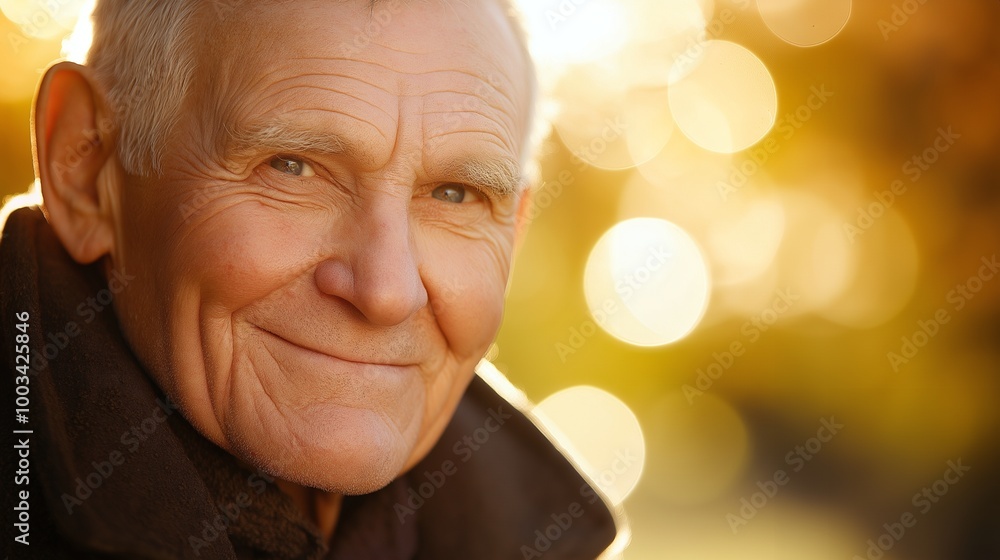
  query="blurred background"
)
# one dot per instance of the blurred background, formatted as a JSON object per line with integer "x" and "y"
{"x": 760, "y": 293}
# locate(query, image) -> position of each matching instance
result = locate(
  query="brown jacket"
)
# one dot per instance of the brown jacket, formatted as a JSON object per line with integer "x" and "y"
{"x": 116, "y": 471}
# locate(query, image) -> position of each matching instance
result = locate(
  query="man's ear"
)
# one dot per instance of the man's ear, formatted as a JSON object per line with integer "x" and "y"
{"x": 74, "y": 141}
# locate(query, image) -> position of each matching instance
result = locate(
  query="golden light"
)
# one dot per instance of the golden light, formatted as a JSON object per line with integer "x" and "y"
{"x": 602, "y": 431}
{"x": 703, "y": 448}
{"x": 42, "y": 19}
{"x": 746, "y": 299}
{"x": 646, "y": 282}
{"x": 660, "y": 31}
{"x": 744, "y": 238}
{"x": 783, "y": 530}
{"x": 24, "y": 70}
{"x": 31, "y": 198}
{"x": 805, "y": 23}
{"x": 656, "y": 20}
{"x": 573, "y": 32}
{"x": 886, "y": 277}
{"x": 76, "y": 45}
{"x": 538, "y": 266}
{"x": 32, "y": 30}
{"x": 679, "y": 185}
{"x": 609, "y": 128}
{"x": 722, "y": 97}
{"x": 816, "y": 260}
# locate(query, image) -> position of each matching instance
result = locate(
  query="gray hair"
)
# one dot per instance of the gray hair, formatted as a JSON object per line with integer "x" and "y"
{"x": 144, "y": 53}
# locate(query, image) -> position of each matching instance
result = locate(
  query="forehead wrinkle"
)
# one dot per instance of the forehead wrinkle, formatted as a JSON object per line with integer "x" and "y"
{"x": 401, "y": 69}
{"x": 335, "y": 90}
{"x": 502, "y": 102}
{"x": 505, "y": 126}
{"x": 355, "y": 153}
{"x": 489, "y": 137}
{"x": 475, "y": 29}
{"x": 478, "y": 105}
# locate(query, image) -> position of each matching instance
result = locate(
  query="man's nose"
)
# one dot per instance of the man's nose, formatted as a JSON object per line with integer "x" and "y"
{"x": 378, "y": 273}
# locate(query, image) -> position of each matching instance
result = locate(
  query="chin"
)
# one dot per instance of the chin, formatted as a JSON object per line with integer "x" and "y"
{"x": 333, "y": 448}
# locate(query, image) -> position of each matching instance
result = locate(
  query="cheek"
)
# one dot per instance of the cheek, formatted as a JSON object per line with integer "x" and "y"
{"x": 242, "y": 255}
{"x": 466, "y": 281}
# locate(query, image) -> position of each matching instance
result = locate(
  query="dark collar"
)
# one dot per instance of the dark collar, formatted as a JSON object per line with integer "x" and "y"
{"x": 122, "y": 472}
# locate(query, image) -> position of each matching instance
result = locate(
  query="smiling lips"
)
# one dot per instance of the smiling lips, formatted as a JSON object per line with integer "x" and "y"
{"x": 355, "y": 361}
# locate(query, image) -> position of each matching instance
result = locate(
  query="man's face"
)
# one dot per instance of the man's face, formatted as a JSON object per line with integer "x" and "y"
{"x": 323, "y": 260}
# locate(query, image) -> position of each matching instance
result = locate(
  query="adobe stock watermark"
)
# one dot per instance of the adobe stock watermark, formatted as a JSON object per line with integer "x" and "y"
{"x": 622, "y": 464}
{"x": 796, "y": 459}
{"x": 230, "y": 512}
{"x": 586, "y": 155}
{"x": 484, "y": 96}
{"x": 562, "y": 521}
{"x": 692, "y": 51}
{"x": 589, "y": 153}
{"x": 786, "y": 127}
{"x": 626, "y": 289}
{"x": 86, "y": 146}
{"x": 923, "y": 501}
{"x": 87, "y": 311}
{"x": 958, "y": 298}
{"x": 901, "y": 14}
{"x": 382, "y": 14}
{"x": 47, "y": 14}
{"x": 752, "y": 330}
{"x": 913, "y": 169}
{"x": 543, "y": 198}
{"x": 104, "y": 467}
{"x": 463, "y": 449}
{"x": 563, "y": 12}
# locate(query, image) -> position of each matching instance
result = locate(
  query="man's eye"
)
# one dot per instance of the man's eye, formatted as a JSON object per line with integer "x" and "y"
{"x": 292, "y": 166}
{"x": 454, "y": 192}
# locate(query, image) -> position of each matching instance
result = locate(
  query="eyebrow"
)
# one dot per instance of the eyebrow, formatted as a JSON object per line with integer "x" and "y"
{"x": 500, "y": 177}
{"x": 282, "y": 137}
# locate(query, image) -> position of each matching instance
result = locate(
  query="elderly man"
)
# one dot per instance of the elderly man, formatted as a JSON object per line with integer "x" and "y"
{"x": 273, "y": 247}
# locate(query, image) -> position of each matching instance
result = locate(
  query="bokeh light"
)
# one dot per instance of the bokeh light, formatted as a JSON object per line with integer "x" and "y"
{"x": 42, "y": 19}
{"x": 668, "y": 110}
{"x": 722, "y": 97}
{"x": 23, "y": 71}
{"x": 647, "y": 282}
{"x": 567, "y": 32}
{"x": 602, "y": 431}
{"x": 887, "y": 265}
{"x": 660, "y": 31}
{"x": 805, "y": 23}
{"x": 743, "y": 239}
{"x": 678, "y": 185}
{"x": 815, "y": 259}
{"x": 77, "y": 43}
{"x": 608, "y": 126}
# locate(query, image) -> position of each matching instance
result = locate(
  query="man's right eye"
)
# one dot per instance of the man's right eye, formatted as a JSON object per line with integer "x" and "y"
{"x": 292, "y": 166}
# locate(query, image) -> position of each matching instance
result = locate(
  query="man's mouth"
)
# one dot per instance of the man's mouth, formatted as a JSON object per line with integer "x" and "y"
{"x": 339, "y": 356}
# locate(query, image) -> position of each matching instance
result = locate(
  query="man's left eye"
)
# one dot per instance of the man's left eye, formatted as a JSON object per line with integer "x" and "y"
{"x": 292, "y": 166}
{"x": 454, "y": 192}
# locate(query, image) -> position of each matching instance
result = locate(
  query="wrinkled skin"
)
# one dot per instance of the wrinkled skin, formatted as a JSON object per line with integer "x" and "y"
{"x": 317, "y": 271}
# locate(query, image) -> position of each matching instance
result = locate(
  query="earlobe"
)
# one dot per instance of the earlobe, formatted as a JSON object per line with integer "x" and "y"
{"x": 74, "y": 146}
